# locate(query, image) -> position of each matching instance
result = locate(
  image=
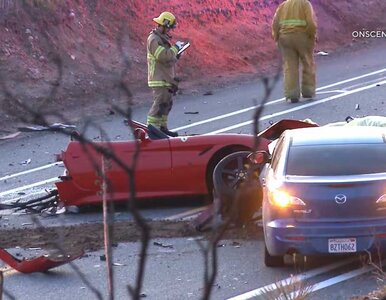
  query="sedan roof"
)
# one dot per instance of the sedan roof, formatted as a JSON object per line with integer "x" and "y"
{"x": 337, "y": 135}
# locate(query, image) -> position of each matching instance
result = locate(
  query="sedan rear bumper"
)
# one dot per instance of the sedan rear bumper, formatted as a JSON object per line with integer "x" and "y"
{"x": 286, "y": 235}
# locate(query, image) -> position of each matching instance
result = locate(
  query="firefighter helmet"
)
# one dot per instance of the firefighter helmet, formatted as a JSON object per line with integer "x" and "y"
{"x": 166, "y": 19}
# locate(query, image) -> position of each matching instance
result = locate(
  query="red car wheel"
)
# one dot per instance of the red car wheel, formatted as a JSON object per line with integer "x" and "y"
{"x": 240, "y": 195}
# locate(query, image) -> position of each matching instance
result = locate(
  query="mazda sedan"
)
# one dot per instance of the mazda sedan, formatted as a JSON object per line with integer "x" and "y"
{"x": 325, "y": 192}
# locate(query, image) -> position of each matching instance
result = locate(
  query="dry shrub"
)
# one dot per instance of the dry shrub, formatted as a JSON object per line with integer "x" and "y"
{"x": 291, "y": 289}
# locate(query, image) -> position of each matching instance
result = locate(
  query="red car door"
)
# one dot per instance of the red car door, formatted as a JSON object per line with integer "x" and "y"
{"x": 154, "y": 168}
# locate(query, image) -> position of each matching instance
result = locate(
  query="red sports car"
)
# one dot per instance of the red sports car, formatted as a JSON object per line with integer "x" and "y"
{"x": 165, "y": 166}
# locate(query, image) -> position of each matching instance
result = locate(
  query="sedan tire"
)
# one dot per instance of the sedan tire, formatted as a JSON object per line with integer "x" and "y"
{"x": 273, "y": 260}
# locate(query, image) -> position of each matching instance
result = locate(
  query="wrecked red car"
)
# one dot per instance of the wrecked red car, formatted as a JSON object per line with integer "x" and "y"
{"x": 165, "y": 166}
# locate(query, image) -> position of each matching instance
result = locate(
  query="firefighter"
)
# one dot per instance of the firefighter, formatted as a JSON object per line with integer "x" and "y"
{"x": 294, "y": 30}
{"x": 161, "y": 59}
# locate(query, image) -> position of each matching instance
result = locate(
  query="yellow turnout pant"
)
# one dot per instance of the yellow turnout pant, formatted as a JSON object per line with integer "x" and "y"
{"x": 162, "y": 104}
{"x": 296, "y": 48}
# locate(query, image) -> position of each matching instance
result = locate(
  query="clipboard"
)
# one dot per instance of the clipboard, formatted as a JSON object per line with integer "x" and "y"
{"x": 186, "y": 46}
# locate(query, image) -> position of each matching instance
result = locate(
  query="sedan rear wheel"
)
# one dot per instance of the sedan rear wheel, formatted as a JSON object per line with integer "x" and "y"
{"x": 273, "y": 260}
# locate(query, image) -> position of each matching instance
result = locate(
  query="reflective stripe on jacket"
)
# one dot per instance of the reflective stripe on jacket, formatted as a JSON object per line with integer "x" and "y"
{"x": 161, "y": 60}
{"x": 294, "y": 16}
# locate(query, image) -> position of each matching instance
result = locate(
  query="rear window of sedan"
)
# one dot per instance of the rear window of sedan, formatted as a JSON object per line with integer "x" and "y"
{"x": 336, "y": 160}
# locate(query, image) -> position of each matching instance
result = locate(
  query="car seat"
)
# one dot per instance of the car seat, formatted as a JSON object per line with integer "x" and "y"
{"x": 156, "y": 134}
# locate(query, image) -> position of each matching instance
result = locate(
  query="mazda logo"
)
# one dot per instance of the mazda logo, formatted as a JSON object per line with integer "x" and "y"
{"x": 340, "y": 199}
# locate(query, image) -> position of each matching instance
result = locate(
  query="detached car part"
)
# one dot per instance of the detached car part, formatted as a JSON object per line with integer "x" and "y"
{"x": 37, "y": 264}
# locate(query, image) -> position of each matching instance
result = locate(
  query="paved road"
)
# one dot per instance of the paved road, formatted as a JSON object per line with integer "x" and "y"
{"x": 346, "y": 81}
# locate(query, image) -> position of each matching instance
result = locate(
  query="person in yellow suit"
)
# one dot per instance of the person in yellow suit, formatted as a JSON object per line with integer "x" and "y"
{"x": 294, "y": 29}
{"x": 162, "y": 57}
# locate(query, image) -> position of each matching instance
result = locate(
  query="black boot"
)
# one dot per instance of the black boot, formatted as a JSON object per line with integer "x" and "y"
{"x": 168, "y": 132}
{"x": 292, "y": 100}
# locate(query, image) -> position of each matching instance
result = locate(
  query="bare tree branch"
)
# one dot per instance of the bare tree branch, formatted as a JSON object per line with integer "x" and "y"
{"x": 1, "y": 284}
{"x": 107, "y": 231}
{"x": 218, "y": 229}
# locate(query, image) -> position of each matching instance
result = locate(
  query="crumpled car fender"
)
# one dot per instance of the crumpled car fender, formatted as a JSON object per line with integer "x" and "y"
{"x": 37, "y": 264}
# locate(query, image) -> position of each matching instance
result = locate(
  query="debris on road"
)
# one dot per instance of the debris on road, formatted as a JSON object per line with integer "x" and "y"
{"x": 52, "y": 211}
{"x": 10, "y": 136}
{"x": 236, "y": 244}
{"x": 163, "y": 245}
{"x": 54, "y": 126}
{"x": 203, "y": 222}
{"x": 26, "y": 224}
{"x": 322, "y": 53}
{"x": 191, "y": 112}
{"x": 25, "y": 162}
{"x": 72, "y": 209}
{"x": 46, "y": 204}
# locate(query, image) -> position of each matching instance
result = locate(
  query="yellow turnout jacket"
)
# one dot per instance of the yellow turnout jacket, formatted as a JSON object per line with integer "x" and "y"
{"x": 161, "y": 60}
{"x": 294, "y": 16}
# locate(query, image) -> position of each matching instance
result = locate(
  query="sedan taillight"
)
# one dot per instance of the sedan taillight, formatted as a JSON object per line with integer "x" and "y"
{"x": 283, "y": 199}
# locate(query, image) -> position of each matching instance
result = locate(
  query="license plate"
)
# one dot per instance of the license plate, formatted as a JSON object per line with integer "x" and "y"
{"x": 342, "y": 245}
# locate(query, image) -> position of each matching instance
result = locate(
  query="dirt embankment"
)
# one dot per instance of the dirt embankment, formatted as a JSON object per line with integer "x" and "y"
{"x": 67, "y": 54}
{"x": 77, "y": 238}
